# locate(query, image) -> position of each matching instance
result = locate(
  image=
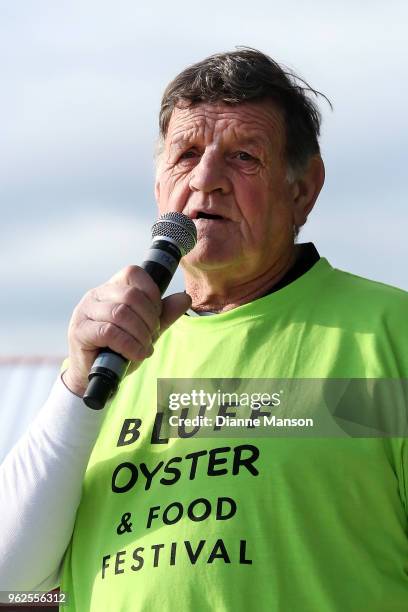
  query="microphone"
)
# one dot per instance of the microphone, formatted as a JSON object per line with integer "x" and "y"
{"x": 173, "y": 236}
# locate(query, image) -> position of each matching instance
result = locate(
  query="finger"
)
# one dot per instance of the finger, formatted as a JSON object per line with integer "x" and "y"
{"x": 173, "y": 307}
{"x": 135, "y": 276}
{"x": 97, "y": 334}
{"x": 132, "y": 297}
{"x": 123, "y": 317}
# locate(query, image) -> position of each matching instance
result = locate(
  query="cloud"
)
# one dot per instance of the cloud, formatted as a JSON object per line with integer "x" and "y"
{"x": 368, "y": 243}
{"x": 75, "y": 249}
{"x": 81, "y": 87}
{"x": 51, "y": 266}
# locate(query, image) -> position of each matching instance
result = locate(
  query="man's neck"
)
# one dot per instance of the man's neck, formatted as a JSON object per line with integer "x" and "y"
{"x": 217, "y": 292}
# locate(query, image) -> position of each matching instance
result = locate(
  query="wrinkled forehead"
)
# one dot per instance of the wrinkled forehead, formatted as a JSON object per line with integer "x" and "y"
{"x": 259, "y": 122}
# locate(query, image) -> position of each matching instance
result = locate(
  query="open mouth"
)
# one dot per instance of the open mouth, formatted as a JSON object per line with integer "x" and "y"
{"x": 203, "y": 215}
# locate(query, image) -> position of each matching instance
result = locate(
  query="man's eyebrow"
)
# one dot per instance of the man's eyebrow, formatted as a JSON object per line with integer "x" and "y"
{"x": 244, "y": 141}
{"x": 180, "y": 142}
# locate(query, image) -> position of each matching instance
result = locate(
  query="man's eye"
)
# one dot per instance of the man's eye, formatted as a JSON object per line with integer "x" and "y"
{"x": 244, "y": 156}
{"x": 188, "y": 154}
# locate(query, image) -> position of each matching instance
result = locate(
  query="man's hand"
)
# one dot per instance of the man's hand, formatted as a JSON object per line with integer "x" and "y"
{"x": 126, "y": 314}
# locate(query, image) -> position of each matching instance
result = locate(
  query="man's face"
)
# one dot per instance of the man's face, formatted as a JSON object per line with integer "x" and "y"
{"x": 224, "y": 166}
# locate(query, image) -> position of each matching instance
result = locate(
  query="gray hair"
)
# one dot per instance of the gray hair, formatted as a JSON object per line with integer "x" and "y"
{"x": 250, "y": 75}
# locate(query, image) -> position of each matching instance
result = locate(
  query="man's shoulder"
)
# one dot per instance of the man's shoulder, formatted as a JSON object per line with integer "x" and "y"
{"x": 366, "y": 285}
{"x": 367, "y": 294}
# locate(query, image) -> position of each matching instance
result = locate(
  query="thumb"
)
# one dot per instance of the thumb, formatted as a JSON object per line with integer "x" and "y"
{"x": 173, "y": 307}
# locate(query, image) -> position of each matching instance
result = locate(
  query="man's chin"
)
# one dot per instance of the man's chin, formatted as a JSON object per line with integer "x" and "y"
{"x": 207, "y": 259}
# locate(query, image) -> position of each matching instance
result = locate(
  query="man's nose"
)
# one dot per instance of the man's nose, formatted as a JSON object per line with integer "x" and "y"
{"x": 210, "y": 174}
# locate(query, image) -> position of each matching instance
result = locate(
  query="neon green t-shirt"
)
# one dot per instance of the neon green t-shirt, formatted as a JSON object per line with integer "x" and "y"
{"x": 284, "y": 524}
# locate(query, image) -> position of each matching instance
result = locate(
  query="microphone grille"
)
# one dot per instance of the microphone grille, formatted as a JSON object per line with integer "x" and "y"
{"x": 177, "y": 227}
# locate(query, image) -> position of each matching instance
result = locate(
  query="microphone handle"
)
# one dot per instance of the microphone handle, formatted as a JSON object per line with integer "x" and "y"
{"x": 109, "y": 367}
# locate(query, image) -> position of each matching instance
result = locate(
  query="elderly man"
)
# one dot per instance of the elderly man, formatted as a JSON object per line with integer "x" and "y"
{"x": 220, "y": 523}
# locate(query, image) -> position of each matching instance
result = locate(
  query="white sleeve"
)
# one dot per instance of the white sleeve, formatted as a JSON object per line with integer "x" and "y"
{"x": 40, "y": 490}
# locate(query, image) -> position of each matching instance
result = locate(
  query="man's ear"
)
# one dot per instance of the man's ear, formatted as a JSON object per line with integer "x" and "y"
{"x": 157, "y": 190}
{"x": 306, "y": 189}
{"x": 158, "y": 161}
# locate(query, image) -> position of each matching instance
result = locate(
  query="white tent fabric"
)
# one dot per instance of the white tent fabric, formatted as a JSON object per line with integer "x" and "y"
{"x": 24, "y": 386}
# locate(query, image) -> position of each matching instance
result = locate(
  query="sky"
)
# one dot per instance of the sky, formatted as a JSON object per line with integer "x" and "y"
{"x": 81, "y": 84}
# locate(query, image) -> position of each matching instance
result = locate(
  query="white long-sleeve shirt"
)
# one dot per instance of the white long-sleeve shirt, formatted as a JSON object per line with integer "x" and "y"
{"x": 40, "y": 490}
